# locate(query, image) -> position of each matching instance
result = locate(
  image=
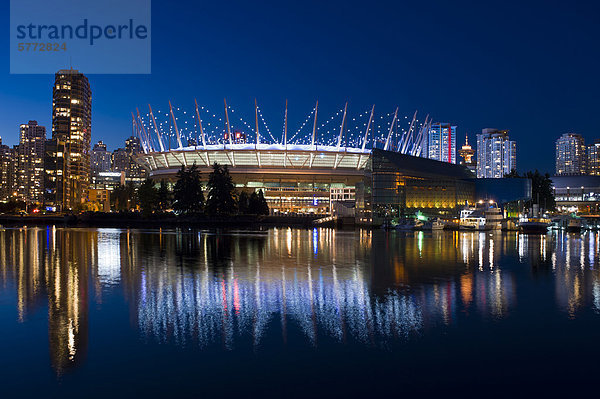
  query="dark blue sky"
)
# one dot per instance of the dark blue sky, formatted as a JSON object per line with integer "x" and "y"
{"x": 532, "y": 69}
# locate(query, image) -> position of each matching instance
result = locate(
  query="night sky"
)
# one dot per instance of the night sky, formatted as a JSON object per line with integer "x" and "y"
{"x": 532, "y": 69}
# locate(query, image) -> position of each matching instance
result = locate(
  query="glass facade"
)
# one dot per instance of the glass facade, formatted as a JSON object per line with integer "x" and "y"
{"x": 402, "y": 184}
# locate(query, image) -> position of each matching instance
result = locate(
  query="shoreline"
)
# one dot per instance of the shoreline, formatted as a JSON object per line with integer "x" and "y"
{"x": 136, "y": 220}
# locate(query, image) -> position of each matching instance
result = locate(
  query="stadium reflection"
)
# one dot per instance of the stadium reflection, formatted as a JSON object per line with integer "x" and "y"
{"x": 233, "y": 289}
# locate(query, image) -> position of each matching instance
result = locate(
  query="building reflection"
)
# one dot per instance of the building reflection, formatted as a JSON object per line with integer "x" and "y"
{"x": 51, "y": 269}
{"x": 218, "y": 288}
{"x": 575, "y": 265}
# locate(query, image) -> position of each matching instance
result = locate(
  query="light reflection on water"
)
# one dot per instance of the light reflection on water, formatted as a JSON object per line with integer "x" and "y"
{"x": 230, "y": 289}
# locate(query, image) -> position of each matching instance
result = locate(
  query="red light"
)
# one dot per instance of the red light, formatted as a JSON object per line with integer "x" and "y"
{"x": 237, "y": 135}
{"x": 36, "y": 210}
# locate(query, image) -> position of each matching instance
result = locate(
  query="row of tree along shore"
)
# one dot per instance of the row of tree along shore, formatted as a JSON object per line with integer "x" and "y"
{"x": 186, "y": 204}
{"x": 187, "y": 197}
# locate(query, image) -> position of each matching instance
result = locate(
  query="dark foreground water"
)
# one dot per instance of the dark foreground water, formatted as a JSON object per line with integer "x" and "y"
{"x": 296, "y": 313}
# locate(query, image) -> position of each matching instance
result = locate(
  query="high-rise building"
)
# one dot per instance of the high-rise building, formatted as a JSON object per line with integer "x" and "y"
{"x": 441, "y": 142}
{"x": 570, "y": 155}
{"x": 54, "y": 164}
{"x": 593, "y": 159}
{"x": 100, "y": 159}
{"x": 72, "y": 125}
{"x": 123, "y": 161}
{"x": 120, "y": 160}
{"x": 30, "y": 162}
{"x": 135, "y": 172}
{"x": 467, "y": 153}
{"x": 496, "y": 154}
{"x": 6, "y": 172}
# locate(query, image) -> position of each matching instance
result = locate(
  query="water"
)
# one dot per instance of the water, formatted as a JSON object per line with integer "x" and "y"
{"x": 296, "y": 313}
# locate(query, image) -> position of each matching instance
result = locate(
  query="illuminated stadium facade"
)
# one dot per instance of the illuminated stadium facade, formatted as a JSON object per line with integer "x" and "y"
{"x": 320, "y": 165}
{"x": 297, "y": 179}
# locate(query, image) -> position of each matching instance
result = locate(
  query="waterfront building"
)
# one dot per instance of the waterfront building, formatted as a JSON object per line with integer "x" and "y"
{"x": 593, "y": 159}
{"x": 398, "y": 185}
{"x": 310, "y": 177}
{"x": 381, "y": 183}
{"x": 577, "y": 193}
{"x": 441, "y": 142}
{"x": 496, "y": 154}
{"x": 30, "y": 163}
{"x": 6, "y": 172}
{"x": 570, "y": 155}
{"x": 467, "y": 153}
{"x": 297, "y": 180}
{"x": 71, "y": 126}
{"x": 100, "y": 159}
{"x": 54, "y": 165}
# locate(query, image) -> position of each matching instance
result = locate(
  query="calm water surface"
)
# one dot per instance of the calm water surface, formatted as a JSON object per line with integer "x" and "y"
{"x": 296, "y": 313}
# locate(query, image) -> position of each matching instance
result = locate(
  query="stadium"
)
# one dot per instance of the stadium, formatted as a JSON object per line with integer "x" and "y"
{"x": 365, "y": 166}
{"x": 304, "y": 172}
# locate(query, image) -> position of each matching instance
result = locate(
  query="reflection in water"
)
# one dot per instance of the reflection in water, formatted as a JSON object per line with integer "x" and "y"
{"x": 232, "y": 290}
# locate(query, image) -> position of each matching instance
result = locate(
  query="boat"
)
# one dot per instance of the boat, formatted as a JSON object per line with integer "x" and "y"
{"x": 534, "y": 225}
{"x": 438, "y": 224}
{"x": 485, "y": 215}
{"x": 569, "y": 223}
{"x": 452, "y": 224}
{"x": 435, "y": 224}
{"x": 409, "y": 224}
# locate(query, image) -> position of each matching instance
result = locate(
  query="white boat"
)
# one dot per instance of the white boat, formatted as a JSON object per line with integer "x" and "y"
{"x": 438, "y": 225}
{"x": 485, "y": 215}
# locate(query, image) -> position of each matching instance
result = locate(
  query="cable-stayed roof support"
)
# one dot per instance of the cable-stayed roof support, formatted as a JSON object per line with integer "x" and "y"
{"x": 387, "y": 141}
{"x": 175, "y": 125}
{"x": 409, "y": 134}
{"x": 162, "y": 146}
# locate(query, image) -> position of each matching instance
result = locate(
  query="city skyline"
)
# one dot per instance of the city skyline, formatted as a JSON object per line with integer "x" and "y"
{"x": 298, "y": 199}
{"x": 395, "y": 80}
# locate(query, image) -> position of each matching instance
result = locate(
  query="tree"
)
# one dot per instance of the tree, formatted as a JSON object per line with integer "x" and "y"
{"x": 147, "y": 196}
{"x": 263, "y": 207}
{"x": 187, "y": 193}
{"x": 513, "y": 174}
{"x": 244, "y": 203}
{"x": 163, "y": 197}
{"x": 131, "y": 192}
{"x": 541, "y": 190}
{"x": 119, "y": 198}
{"x": 258, "y": 204}
{"x": 12, "y": 206}
{"x": 221, "y": 192}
